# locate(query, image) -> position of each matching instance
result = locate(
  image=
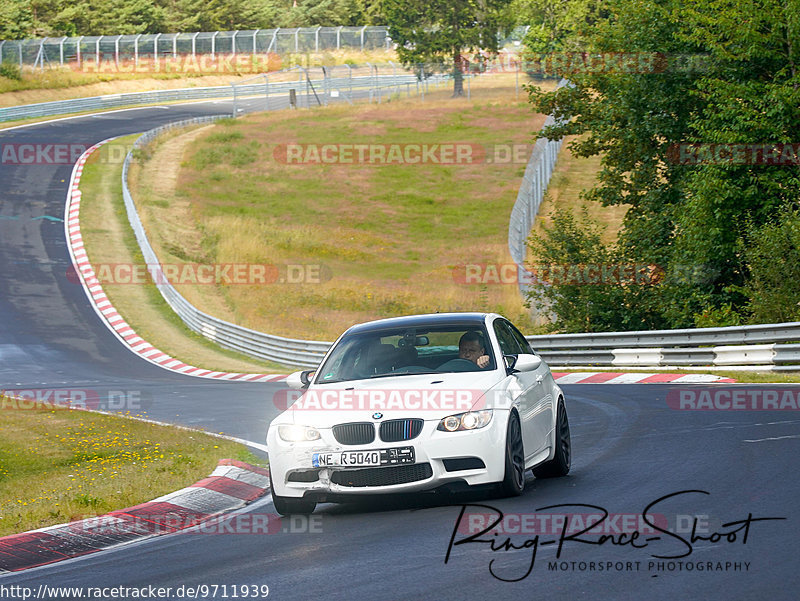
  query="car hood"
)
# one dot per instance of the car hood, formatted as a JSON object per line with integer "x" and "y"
{"x": 426, "y": 396}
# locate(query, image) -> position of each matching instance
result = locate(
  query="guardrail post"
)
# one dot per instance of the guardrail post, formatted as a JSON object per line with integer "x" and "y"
{"x": 234, "y": 100}
{"x": 266, "y": 91}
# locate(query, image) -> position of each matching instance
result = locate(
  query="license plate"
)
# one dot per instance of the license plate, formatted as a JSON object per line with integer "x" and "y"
{"x": 373, "y": 458}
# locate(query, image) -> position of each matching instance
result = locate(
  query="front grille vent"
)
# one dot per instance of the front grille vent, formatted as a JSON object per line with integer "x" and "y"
{"x": 397, "y": 430}
{"x": 382, "y": 476}
{"x": 355, "y": 433}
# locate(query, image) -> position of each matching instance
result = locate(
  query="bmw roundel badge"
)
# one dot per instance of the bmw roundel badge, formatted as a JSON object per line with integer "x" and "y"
{"x": 377, "y": 415}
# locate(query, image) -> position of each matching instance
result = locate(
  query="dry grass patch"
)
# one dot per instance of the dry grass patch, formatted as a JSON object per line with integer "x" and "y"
{"x": 109, "y": 239}
{"x": 389, "y": 236}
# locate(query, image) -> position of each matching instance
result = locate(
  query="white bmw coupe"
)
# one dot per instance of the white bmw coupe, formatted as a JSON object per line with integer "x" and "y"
{"x": 416, "y": 403}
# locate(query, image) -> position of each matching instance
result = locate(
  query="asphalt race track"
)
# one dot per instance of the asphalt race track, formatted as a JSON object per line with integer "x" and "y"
{"x": 630, "y": 449}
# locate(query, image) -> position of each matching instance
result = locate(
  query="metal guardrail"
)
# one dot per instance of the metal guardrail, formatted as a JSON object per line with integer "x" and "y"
{"x": 756, "y": 346}
{"x": 306, "y": 353}
{"x": 113, "y": 101}
{"x": 531, "y": 193}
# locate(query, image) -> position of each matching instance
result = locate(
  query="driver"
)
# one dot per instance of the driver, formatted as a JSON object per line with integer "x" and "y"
{"x": 471, "y": 348}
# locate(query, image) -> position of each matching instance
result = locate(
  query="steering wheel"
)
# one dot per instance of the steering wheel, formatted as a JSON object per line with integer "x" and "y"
{"x": 458, "y": 365}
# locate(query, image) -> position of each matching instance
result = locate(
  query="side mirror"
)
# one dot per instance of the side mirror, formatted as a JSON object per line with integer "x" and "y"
{"x": 510, "y": 361}
{"x": 299, "y": 379}
{"x": 527, "y": 362}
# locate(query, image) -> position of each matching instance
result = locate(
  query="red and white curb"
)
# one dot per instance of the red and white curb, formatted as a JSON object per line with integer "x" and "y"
{"x": 102, "y": 305}
{"x": 605, "y": 377}
{"x": 231, "y": 486}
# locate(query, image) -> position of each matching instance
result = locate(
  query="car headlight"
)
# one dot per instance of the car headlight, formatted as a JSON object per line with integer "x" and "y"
{"x": 294, "y": 433}
{"x": 471, "y": 420}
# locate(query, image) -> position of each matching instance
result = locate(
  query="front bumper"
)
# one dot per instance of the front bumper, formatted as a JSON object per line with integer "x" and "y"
{"x": 292, "y": 461}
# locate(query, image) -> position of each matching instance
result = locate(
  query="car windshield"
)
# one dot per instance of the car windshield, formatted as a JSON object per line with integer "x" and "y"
{"x": 429, "y": 350}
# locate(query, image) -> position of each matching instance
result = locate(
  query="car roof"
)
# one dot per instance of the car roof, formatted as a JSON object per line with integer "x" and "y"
{"x": 421, "y": 321}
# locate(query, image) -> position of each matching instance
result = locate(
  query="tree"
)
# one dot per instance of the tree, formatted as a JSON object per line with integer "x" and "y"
{"x": 556, "y": 25}
{"x": 718, "y": 72}
{"x": 436, "y": 32}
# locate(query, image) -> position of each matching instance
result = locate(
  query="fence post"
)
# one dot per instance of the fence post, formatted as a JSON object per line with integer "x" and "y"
{"x": 394, "y": 77}
{"x": 61, "y": 51}
{"x": 316, "y": 39}
{"x": 78, "y": 47}
{"x": 97, "y": 51}
{"x": 155, "y": 47}
{"x": 136, "y": 49}
{"x": 116, "y": 50}
{"x": 274, "y": 39}
{"x": 362, "y": 37}
{"x": 297, "y": 40}
{"x": 214, "y": 45}
{"x": 255, "y": 33}
{"x": 233, "y": 43}
{"x": 174, "y": 45}
{"x": 2, "y": 43}
{"x": 338, "y": 37}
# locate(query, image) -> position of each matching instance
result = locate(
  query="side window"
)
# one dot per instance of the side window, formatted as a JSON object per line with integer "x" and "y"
{"x": 508, "y": 344}
{"x": 523, "y": 344}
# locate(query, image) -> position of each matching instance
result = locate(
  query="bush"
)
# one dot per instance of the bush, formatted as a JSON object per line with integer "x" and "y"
{"x": 772, "y": 255}
{"x": 10, "y": 71}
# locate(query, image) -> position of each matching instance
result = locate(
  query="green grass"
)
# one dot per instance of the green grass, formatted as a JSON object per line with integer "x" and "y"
{"x": 108, "y": 238}
{"x": 58, "y": 464}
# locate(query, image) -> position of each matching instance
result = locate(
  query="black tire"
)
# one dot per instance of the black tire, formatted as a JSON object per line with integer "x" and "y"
{"x": 514, "y": 480}
{"x": 559, "y": 465}
{"x": 291, "y": 505}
